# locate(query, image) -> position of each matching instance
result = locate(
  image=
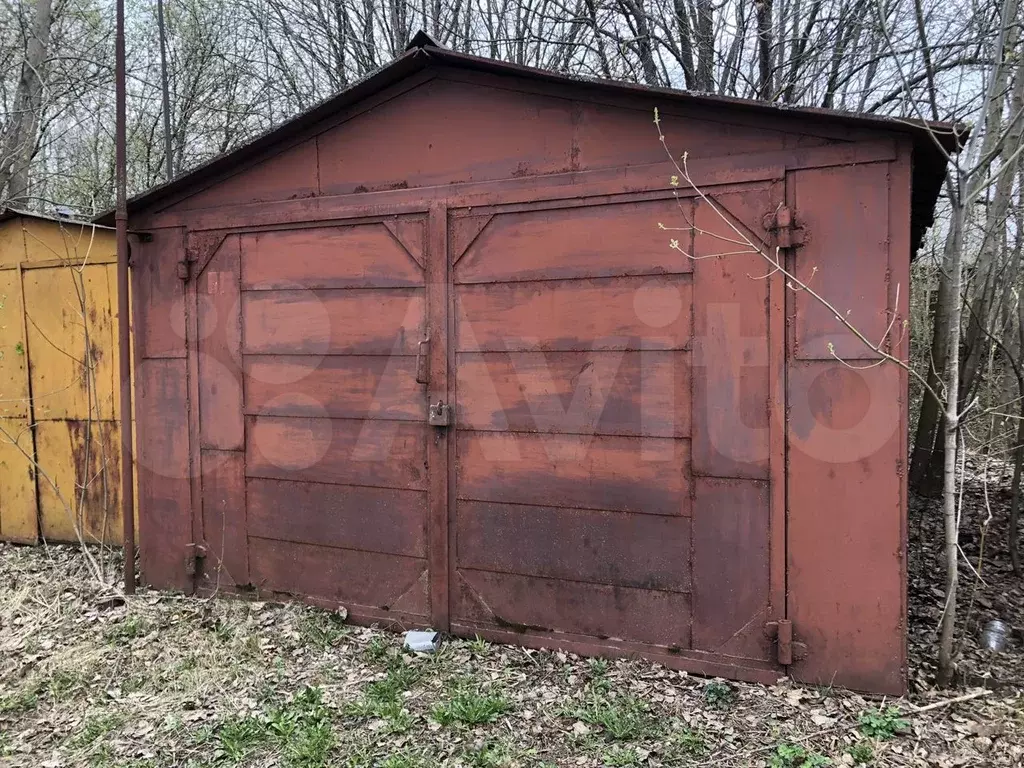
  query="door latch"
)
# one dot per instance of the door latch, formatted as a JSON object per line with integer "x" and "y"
{"x": 440, "y": 415}
{"x": 422, "y": 362}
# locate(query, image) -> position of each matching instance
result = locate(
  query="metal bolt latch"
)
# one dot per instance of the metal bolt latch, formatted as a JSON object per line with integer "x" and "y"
{"x": 439, "y": 415}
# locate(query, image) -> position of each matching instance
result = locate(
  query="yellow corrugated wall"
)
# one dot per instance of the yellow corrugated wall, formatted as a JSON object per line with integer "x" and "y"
{"x": 59, "y": 393}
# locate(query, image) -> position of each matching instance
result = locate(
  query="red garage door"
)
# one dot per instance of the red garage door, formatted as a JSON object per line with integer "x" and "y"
{"x": 613, "y": 449}
{"x": 322, "y": 326}
{"x": 609, "y": 474}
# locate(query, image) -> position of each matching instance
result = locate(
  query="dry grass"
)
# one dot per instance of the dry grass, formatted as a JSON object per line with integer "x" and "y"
{"x": 163, "y": 680}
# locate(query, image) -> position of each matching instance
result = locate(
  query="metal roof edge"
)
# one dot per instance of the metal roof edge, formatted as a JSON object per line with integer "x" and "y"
{"x": 9, "y": 212}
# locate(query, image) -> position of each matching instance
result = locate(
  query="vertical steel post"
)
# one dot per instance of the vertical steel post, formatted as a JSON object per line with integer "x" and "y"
{"x": 124, "y": 337}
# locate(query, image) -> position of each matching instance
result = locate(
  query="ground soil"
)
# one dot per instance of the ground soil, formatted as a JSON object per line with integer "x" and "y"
{"x": 89, "y": 678}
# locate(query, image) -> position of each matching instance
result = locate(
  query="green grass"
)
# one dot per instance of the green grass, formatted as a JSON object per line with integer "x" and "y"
{"x": 862, "y": 753}
{"x": 478, "y": 646}
{"x": 25, "y": 700}
{"x": 378, "y": 650}
{"x": 63, "y": 684}
{"x": 95, "y": 728}
{"x": 621, "y": 757}
{"x": 881, "y": 724}
{"x": 322, "y": 630}
{"x": 687, "y": 742}
{"x": 129, "y": 629}
{"x": 493, "y": 754}
{"x": 620, "y": 717}
{"x": 470, "y": 707}
{"x": 719, "y": 695}
{"x": 369, "y": 756}
{"x": 382, "y": 699}
{"x": 299, "y": 729}
{"x": 795, "y": 756}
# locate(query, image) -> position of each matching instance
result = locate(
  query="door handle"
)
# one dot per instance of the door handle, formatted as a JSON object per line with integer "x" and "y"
{"x": 423, "y": 362}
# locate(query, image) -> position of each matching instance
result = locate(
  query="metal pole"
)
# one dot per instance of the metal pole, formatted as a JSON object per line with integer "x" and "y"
{"x": 124, "y": 338}
{"x": 166, "y": 89}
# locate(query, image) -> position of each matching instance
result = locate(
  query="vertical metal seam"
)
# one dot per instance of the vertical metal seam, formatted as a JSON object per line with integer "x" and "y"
{"x": 452, "y": 400}
{"x": 693, "y": 480}
{"x": 197, "y": 533}
{"x": 31, "y": 402}
{"x": 245, "y": 421}
{"x": 788, "y": 334}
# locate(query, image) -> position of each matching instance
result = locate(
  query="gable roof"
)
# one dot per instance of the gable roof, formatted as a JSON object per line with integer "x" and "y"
{"x": 932, "y": 141}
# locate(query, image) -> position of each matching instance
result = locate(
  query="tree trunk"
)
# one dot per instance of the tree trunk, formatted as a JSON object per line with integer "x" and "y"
{"x": 19, "y": 142}
{"x": 929, "y": 419}
{"x": 1018, "y": 459}
{"x": 989, "y": 280}
{"x": 951, "y": 435}
{"x": 705, "y": 47}
{"x": 766, "y": 85}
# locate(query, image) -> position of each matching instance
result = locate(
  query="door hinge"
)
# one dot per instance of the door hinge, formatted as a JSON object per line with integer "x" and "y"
{"x": 787, "y": 649}
{"x": 783, "y": 225}
{"x": 182, "y": 270}
{"x": 194, "y": 554}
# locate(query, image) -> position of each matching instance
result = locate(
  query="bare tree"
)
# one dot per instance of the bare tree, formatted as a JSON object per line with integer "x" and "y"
{"x": 18, "y": 139}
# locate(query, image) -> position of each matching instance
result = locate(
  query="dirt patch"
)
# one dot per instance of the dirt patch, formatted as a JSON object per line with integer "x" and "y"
{"x": 90, "y": 679}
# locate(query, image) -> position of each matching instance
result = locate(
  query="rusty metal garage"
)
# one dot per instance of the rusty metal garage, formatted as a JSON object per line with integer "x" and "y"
{"x": 425, "y": 352}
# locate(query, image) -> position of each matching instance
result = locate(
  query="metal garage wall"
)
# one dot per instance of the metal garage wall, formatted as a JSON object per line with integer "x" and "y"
{"x": 58, "y": 381}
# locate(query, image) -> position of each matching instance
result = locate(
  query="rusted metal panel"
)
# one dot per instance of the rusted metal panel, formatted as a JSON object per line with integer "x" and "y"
{"x": 523, "y": 603}
{"x": 336, "y": 444}
{"x": 846, "y": 215}
{"x": 219, "y": 338}
{"x": 370, "y": 256}
{"x": 19, "y": 511}
{"x": 83, "y": 459}
{"x": 797, "y": 127}
{"x": 163, "y": 468}
{"x": 574, "y": 315}
{"x": 572, "y": 499}
{"x": 68, "y": 308}
{"x": 159, "y": 295}
{"x": 14, "y": 367}
{"x": 224, "y": 518}
{"x": 609, "y": 135}
{"x": 388, "y": 454}
{"x": 19, "y": 516}
{"x": 321, "y": 322}
{"x": 556, "y": 190}
{"x": 847, "y": 445}
{"x": 731, "y": 521}
{"x": 845, "y": 525}
{"x": 346, "y": 576}
{"x": 385, "y": 520}
{"x": 57, "y": 352}
{"x": 634, "y": 392}
{"x": 420, "y": 152}
{"x": 288, "y": 173}
{"x": 646, "y": 476}
{"x": 595, "y": 241}
{"x": 340, "y": 386}
{"x": 731, "y": 343}
{"x": 641, "y": 551}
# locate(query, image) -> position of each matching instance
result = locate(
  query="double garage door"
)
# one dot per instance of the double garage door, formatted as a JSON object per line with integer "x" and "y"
{"x": 540, "y": 423}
